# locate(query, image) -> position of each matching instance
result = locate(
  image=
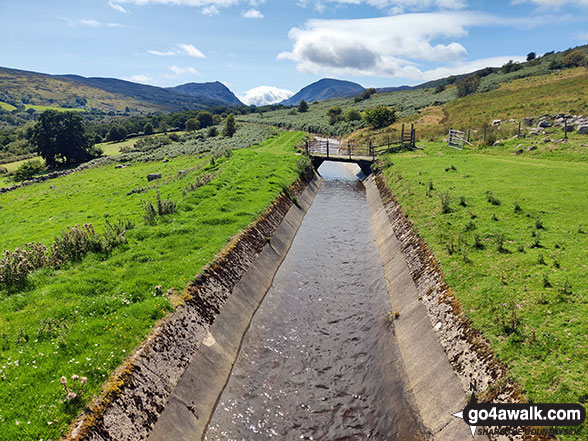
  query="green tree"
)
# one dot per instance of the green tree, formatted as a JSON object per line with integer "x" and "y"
{"x": 116, "y": 133}
{"x": 60, "y": 137}
{"x": 230, "y": 126}
{"x": 205, "y": 119}
{"x": 440, "y": 88}
{"x": 531, "y": 56}
{"x": 303, "y": 106}
{"x": 192, "y": 125}
{"x": 163, "y": 126}
{"x": 28, "y": 170}
{"x": 334, "y": 114}
{"x": 380, "y": 116}
{"x": 468, "y": 85}
{"x": 352, "y": 114}
{"x": 148, "y": 128}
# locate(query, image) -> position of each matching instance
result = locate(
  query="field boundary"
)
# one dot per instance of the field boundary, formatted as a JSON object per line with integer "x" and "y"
{"x": 139, "y": 392}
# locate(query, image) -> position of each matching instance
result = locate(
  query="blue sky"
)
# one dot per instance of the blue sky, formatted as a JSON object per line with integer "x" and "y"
{"x": 271, "y": 48}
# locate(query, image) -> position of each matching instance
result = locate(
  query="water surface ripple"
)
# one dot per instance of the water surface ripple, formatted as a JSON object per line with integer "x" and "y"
{"x": 319, "y": 361}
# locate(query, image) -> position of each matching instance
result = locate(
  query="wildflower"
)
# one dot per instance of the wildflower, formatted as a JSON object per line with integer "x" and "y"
{"x": 71, "y": 396}
{"x": 75, "y": 377}
{"x": 63, "y": 380}
{"x": 83, "y": 380}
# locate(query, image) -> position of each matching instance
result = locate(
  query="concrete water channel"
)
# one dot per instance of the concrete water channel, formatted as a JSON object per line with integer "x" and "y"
{"x": 320, "y": 359}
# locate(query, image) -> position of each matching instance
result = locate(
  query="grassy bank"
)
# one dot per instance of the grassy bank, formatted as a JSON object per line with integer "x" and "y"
{"x": 86, "y": 317}
{"x": 511, "y": 234}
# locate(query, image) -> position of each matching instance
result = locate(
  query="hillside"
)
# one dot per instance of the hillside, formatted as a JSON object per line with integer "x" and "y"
{"x": 214, "y": 90}
{"x": 324, "y": 89}
{"x": 23, "y": 87}
{"x": 106, "y": 94}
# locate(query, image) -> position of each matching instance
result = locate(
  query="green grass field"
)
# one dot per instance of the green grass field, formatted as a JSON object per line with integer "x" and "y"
{"x": 7, "y": 106}
{"x": 529, "y": 297}
{"x": 86, "y": 318}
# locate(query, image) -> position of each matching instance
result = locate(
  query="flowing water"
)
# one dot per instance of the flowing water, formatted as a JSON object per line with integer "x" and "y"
{"x": 319, "y": 361}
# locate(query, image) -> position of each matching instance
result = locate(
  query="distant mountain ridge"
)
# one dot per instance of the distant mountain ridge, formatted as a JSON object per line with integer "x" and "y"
{"x": 108, "y": 94}
{"x": 324, "y": 89}
{"x": 215, "y": 90}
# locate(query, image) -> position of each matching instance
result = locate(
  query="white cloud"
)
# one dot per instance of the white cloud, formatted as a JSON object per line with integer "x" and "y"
{"x": 210, "y": 10}
{"x": 114, "y": 25}
{"x": 252, "y": 13}
{"x": 183, "y": 70}
{"x": 89, "y": 22}
{"x": 183, "y": 49}
{"x": 191, "y": 50}
{"x": 550, "y": 4}
{"x": 116, "y": 6}
{"x": 139, "y": 78}
{"x": 393, "y": 6}
{"x": 262, "y": 95}
{"x": 394, "y": 46}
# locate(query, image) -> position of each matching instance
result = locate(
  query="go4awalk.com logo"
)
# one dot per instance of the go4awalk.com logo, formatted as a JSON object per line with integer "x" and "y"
{"x": 523, "y": 416}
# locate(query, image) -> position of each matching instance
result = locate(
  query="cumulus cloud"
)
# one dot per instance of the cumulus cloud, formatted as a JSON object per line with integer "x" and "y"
{"x": 182, "y": 49}
{"x": 393, "y": 46}
{"x": 252, "y": 13}
{"x": 262, "y": 95}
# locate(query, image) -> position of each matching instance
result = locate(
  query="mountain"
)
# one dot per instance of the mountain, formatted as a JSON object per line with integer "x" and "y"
{"x": 215, "y": 90}
{"x": 393, "y": 89}
{"x": 324, "y": 89}
{"x": 19, "y": 87}
{"x": 158, "y": 96}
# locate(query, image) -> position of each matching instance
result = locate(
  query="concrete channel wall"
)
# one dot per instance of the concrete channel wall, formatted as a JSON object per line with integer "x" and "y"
{"x": 193, "y": 350}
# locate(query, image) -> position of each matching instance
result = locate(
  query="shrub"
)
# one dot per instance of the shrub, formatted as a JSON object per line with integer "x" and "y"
{"x": 199, "y": 182}
{"x": 230, "y": 126}
{"x": 468, "y": 85}
{"x": 192, "y": 125}
{"x": 303, "y": 106}
{"x": 491, "y": 198}
{"x": 365, "y": 95}
{"x": 304, "y": 168}
{"x": 517, "y": 207}
{"x": 352, "y": 114}
{"x": 462, "y": 201}
{"x": 212, "y": 132}
{"x": 159, "y": 208}
{"x": 574, "y": 58}
{"x": 500, "y": 239}
{"x": 440, "y": 88}
{"x": 445, "y": 203}
{"x": 531, "y": 56}
{"x": 148, "y": 129}
{"x": 334, "y": 114}
{"x": 28, "y": 170}
{"x": 511, "y": 66}
{"x": 380, "y": 116}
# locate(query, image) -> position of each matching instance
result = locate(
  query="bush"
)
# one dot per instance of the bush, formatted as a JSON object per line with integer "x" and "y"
{"x": 148, "y": 129}
{"x": 304, "y": 168}
{"x": 574, "y": 58}
{"x": 531, "y": 56}
{"x": 28, "y": 170}
{"x": 160, "y": 208}
{"x": 440, "y": 88}
{"x": 230, "y": 126}
{"x": 511, "y": 66}
{"x": 212, "y": 132}
{"x": 192, "y": 125}
{"x": 352, "y": 114}
{"x": 303, "y": 106}
{"x": 334, "y": 114}
{"x": 380, "y": 116}
{"x": 468, "y": 85}
{"x": 365, "y": 95}
{"x": 116, "y": 133}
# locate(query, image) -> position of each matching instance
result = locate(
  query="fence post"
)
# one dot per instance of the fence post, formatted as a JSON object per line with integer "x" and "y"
{"x": 327, "y": 149}
{"x": 349, "y": 149}
{"x": 402, "y": 134}
{"x": 371, "y": 152}
{"x": 468, "y": 138}
{"x": 519, "y": 130}
{"x": 388, "y": 139}
{"x": 565, "y": 128}
{"x": 450, "y": 140}
{"x": 413, "y": 138}
{"x": 306, "y": 146}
